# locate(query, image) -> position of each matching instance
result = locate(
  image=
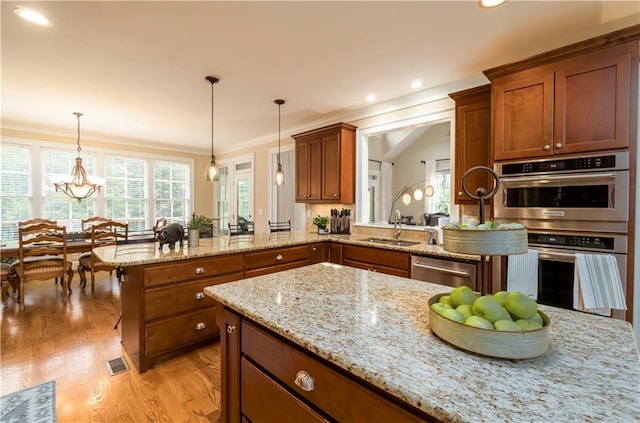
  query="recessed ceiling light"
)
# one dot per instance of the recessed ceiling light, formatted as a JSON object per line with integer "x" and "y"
{"x": 31, "y": 15}
{"x": 416, "y": 84}
{"x": 371, "y": 98}
{"x": 488, "y": 4}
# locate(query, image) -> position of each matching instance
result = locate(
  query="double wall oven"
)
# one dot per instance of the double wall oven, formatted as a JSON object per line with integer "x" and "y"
{"x": 571, "y": 204}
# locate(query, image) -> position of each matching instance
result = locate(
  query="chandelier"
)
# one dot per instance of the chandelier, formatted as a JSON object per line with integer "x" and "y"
{"x": 77, "y": 185}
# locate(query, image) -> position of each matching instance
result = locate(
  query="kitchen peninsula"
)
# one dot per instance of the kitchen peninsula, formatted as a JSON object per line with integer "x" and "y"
{"x": 165, "y": 311}
{"x": 317, "y": 340}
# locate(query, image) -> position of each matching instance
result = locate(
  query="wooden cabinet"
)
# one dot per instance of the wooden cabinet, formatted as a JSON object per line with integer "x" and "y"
{"x": 164, "y": 309}
{"x": 473, "y": 141}
{"x": 571, "y": 100}
{"x": 334, "y": 251}
{"x": 275, "y": 380}
{"x": 325, "y": 165}
{"x": 377, "y": 259}
{"x": 318, "y": 252}
{"x": 275, "y": 259}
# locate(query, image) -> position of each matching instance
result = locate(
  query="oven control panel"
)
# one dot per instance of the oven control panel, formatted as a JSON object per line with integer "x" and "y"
{"x": 574, "y": 241}
{"x": 560, "y": 165}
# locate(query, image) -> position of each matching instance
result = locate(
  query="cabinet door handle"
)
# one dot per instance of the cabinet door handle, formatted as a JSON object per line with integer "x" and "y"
{"x": 279, "y": 257}
{"x": 459, "y": 193}
{"x": 546, "y": 147}
{"x": 200, "y": 326}
{"x": 314, "y": 249}
{"x": 304, "y": 381}
{"x": 199, "y": 270}
{"x": 200, "y": 296}
{"x": 335, "y": 195}
{"x": 559, "y": 145}
{"x": 231, "y": 329}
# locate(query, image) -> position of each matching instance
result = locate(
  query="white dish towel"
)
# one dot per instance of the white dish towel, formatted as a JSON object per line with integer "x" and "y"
{"x": 599, "y": 285}
{"x": 522, "y": 273}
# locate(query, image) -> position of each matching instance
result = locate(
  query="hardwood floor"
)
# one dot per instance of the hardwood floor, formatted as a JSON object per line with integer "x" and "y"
{"x": 69, "y": 340}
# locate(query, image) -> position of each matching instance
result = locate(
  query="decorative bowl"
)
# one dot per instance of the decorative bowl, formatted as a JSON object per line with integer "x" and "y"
{"x": 492, "y": 343}
{"x": 485, "y": 242}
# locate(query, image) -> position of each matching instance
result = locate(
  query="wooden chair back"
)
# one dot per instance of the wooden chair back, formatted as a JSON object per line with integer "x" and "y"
{"x": 42, "y": 254}
{"x": 108, "y": 232}
{"x": 88, "y": 223}
{"x": 241, "y": 232}
{"x": 36, "y": 221}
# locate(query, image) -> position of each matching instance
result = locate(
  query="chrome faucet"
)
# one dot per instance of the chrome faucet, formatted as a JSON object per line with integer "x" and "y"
{"x": 397, "y": 224}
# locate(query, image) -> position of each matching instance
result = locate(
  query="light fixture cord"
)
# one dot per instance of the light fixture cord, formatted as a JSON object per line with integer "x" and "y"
{"x": 78, "y": 116}
{"x": 211, "y": 119}
{"x": 279, "y": 106}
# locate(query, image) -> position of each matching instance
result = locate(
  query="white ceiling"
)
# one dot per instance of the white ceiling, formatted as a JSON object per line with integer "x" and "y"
{"x": 137, "y": 69}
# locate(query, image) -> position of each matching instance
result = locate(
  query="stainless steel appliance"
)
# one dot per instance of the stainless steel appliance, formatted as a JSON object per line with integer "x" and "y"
{"x": 589, "y": 193}
{"x": 444, "y": 272}
{"x": 573, "y": 204}
{"x": 557, "y": 261}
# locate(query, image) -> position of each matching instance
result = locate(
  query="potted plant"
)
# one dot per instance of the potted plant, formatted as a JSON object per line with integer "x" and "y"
{"x": 321, "y": 223}
{"x": 203, "y": 224}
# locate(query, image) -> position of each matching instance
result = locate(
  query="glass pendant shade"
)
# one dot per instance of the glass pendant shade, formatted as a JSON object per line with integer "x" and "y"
{"x": 418, "y": 194}
{"x": 279, "y": 176}
{"x": 211, "y": 172}
{"x": 78, "y": 184}
{"x": 429, "y": 190}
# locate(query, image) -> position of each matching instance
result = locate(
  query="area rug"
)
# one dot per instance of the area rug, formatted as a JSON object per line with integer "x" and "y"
{"x": 34, "y": 405}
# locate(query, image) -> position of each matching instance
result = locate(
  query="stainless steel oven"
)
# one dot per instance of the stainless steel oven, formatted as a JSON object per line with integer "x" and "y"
{"x": 586, "y": 193}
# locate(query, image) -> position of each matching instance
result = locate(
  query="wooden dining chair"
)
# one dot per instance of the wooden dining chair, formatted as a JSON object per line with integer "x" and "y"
{"x": 241, "y": 232}
{"x": 42, "y": 254}
{"x": 88, "y": 223}
{"x": 279, "y": 226}
{"x": 105, "y": 233}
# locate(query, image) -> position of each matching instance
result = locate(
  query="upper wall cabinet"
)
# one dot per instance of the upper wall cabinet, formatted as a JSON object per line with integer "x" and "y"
{"x": 325, "y": 165}
{"x": 473, "y": 141}
{"x": 575, "y": 99}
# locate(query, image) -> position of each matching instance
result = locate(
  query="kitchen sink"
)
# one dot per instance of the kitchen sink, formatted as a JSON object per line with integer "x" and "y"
{"x": 390, "y": 241}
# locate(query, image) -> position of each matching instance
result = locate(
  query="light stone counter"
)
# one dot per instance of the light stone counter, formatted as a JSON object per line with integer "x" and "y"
{"x": 147, "y": 253}
{"x": 376, "y": 327}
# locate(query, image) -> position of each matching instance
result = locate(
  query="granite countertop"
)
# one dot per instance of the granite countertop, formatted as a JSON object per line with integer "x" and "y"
{"x": 376, "y": 327}
{"x": 147, "y": 253}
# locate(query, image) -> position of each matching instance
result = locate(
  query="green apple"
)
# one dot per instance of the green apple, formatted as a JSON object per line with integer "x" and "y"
{"x": 520, "y": 305}
{"x": 446, "y": 299}
{"x": 478, "y": 322}
{"x": 505, "y": 314}
{"x": 507, "y": 326}
{"x": 439, "y": 307}
{"x": 537, "y": 318}
{"x": 488, "y": 308}
{"x": 527, "y": 325}
{"x": 462, "y": 295}
{"x": 453, "y": 314}
{"x": 465, "y": 309}
{"x": 501, "y": 297}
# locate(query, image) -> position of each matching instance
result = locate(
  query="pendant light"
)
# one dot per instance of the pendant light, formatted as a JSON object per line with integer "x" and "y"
{"x": 77, "y": 185}
{"x": 212, "y": 169}
{"x": 279, "y": 176}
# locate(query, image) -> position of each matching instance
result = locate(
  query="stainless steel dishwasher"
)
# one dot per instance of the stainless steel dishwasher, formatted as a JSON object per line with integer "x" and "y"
{"x": 443, "y": 272}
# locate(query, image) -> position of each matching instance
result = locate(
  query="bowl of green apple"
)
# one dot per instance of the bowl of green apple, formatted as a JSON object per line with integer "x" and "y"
{"x": 503, "y": 325}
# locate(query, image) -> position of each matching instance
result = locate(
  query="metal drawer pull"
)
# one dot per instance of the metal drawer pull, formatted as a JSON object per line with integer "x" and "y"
{"x": 230, "y": 328}
{"x": 304, "y": 381}
{"x": 279, "y": 257}
{"x": 200, "y": 326}
{"x": 200, "y": 296}
{"x": 443, "y": 270}
{"x": 199, "y": 270}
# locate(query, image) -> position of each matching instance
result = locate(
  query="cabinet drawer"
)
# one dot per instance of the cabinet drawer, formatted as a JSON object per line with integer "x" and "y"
{"x": 182, "y": 331}
{"x": 191, "y": 269}
{"x": 379, "y": 256}
{"x": 281, "y": 405}
{"x": 276, "y": 256}
{"x": 377, "y": 268}
{"x": 330, "y": 388}
{"x": 183, "y": 297}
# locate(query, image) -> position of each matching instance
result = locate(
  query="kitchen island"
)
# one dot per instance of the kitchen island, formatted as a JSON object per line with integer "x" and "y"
{"x": 164, "y": 309}
{"x": 373, "y": 331}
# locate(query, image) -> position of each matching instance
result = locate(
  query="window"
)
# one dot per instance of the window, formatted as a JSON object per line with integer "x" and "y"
{"x": 139, "y": 187}
{"x": 15, "y": 188}
{"x": 56, "y": 205}
{"x": 124, "y": 191}
{"x": 171, "y": 189}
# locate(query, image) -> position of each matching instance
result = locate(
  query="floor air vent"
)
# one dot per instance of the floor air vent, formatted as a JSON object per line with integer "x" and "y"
{"x": 117, "y": 365}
